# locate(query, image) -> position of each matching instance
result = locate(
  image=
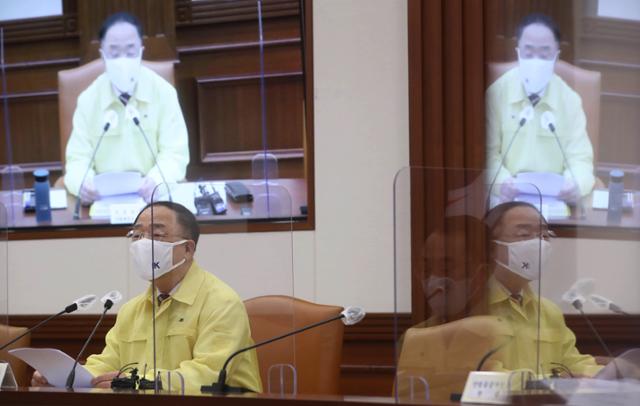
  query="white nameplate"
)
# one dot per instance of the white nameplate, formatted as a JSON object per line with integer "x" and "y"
{"x": 123, "y": 213}
{"x": 486, "y": 387}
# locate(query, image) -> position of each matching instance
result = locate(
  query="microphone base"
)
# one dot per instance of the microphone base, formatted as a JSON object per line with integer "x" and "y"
{"x": 224, "y": 389}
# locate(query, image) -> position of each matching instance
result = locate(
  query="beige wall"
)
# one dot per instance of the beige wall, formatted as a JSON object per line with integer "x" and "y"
{"x": 361, "y": 140}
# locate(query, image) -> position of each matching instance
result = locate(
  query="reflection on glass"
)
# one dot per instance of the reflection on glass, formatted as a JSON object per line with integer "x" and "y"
{"x": 552, "y": 107}
{"x": 485, "y": 293}
{"x": 535, "y": 121}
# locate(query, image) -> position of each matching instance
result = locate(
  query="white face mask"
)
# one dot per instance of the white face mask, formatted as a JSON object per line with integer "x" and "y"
{"x": 140, "y": 257}
{"x": 123, "y": 72}
{"x": 527, "y": 258}
{"x": 535, "y": 73}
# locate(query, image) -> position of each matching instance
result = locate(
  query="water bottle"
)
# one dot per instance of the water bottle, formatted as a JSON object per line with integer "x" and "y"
{"x": 616, "y": 190}
{"x": 41, "y": 187}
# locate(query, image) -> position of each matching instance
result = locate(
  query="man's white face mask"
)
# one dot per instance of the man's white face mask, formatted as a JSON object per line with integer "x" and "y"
{"x": 140, "y": 257}
{"x": 527, "y": 258}
{"x": 535, "y": 73}
{"x": 123, "y": 71}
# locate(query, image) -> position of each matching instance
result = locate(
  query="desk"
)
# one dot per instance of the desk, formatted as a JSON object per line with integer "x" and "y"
{"x": 592, "y": 223}
{"x": 98, "y": 397}
{"x": 63, "y": 218}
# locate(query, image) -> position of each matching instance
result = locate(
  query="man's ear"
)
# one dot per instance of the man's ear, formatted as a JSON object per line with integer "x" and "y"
{"x": 191, "y": 247}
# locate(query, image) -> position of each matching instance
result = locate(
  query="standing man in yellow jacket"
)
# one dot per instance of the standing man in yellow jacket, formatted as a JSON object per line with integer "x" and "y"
{"x": 200, "y": 320}
{"x": 534, "y": 90}
{"x": 123, "y": 148}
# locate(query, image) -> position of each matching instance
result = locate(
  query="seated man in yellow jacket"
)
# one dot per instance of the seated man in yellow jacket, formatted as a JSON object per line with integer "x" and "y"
{"x": 200, "y": 320}
{"x": 126, "y": 83}
{"x": 519, "y": 250}
{"x": 534, "y": 91}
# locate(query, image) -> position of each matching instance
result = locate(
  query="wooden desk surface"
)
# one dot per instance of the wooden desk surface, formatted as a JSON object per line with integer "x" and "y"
{"x": 99, "y": 397}
{"x": 63, "y": 218}
{"x": 588, "y": 222}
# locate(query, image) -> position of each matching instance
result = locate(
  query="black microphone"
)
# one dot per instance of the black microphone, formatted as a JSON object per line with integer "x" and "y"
{"x": 82, "y": 303}
{"x": 349, "y": 316}
{"x": 110, "y": 120}
{"x": 109, "y": 300}
{"x": 525, "y": 115}
{"x": 133, "y": 114}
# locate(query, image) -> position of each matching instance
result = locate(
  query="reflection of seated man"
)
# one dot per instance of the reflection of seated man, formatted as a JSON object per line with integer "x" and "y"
{"x": 453, "y": 288}
{"x": 535, "y": 148}
{"x": 200, "y": 320}
{"x": 123, "y": 148}
{"x": 516, "y": 252}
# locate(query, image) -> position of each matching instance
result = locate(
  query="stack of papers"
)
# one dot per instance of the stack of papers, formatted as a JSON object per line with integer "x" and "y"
{"x": 118, "y": 193}
{"x": 537, "y": 187}
{"x": 117, "y": 183}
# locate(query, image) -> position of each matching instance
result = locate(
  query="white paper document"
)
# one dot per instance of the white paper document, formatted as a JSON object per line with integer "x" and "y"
{"x": 552, "y": 208}
{"x": 117, "y": 183}
{"x": 54, "y": 365}
{"x": 546, "y": 183}
{"x": 542, "y": 188}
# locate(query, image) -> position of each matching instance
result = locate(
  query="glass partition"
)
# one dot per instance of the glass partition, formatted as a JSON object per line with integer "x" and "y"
{"x": 472, "y": 284}
{"x": 561, "y": 105}
{"x": 561, "y": 91}
{"x": 491, "y": 287}
{"x": 7, "y": 333}
{"x": 271, "y": 304}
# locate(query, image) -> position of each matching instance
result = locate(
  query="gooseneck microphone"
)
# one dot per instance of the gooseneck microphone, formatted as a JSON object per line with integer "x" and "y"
{"x": 110, "y": 120}
{"x": 132, "y": 114}
{"x": 607, "y": 304}
{"x": 82, "y": 303}
{"x": 525, "y": 115}
{"x": 349, "y": 316}
{"x": 109, "y": 300}
{"x": 577, "y": 304}
{"x": 548, "y": 121}
{"x": 575, "y": 296}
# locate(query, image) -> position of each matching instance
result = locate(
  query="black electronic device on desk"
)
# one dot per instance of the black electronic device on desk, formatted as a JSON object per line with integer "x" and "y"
{"x": 208, "y": 201}
{"x": 238, "y": 192}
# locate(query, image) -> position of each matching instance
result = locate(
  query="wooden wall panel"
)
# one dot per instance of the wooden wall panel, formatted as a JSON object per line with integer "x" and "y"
{"x": 34, "y": 129}
{"x": 230, "y": 116}
{"x": 502, "y": 18}
{"x": 157, "y": 19}
{"x": 612, "y": 47}
{"x": 620, "y": 123}
{"x": 446, "y": 118}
